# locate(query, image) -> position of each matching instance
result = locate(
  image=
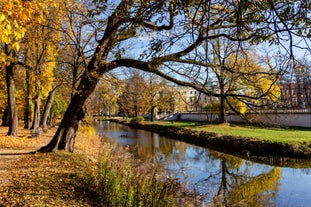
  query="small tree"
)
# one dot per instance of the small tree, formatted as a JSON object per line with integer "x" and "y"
{"x": 106, "y": 96}
{"x": 134, "y": 99}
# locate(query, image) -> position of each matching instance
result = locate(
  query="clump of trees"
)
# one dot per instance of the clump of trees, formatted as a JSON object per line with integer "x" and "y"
{"x": 149, "y": 95}
{"x": 73, "y": 44}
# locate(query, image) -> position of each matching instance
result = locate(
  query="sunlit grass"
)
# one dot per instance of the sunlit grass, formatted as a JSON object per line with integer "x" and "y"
{"x": 266, "y": 133}
{"x": 272, "y": 134}
{"x": 175, "y": 123}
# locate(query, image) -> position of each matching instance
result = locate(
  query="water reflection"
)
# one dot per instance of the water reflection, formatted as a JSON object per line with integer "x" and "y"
{"x": 222, "y": 178}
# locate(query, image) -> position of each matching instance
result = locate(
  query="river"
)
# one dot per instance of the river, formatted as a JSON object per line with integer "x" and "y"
{"x": 213, "y": 174}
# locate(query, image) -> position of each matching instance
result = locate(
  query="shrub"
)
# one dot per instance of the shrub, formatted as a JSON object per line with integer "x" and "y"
{"x": 137, "y": 120}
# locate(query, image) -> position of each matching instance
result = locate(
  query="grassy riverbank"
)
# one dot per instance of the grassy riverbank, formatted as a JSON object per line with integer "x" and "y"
{"x": 276, "y": 146}
{"x": 273, "y": 134}
{"x": 96, "y": 174}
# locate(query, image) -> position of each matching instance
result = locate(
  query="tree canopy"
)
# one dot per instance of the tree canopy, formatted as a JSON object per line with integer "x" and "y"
{"x": 170, "y": 38}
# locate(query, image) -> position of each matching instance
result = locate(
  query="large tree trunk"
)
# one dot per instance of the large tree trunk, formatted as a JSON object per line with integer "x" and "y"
{"x": 47, "y": 109}
{"x": 64, "y": 139}
{"x": 13, "y": 121}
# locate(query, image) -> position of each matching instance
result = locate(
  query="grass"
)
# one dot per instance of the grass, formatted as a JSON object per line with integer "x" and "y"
{"x": 285, "y": 135}
{"x": 96, "y": 174}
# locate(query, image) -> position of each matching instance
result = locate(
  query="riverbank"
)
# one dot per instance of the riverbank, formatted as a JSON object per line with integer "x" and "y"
{"x": 270, "y": 151}
{"x": 96, "y": 174}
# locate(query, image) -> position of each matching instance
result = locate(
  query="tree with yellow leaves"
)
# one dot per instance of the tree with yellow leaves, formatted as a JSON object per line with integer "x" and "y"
{"x": 105, "y": 98}
{"x": 41, "y": 47}
{"x": 40, "y": 50}
{"x": 255, "y": 86}
{"x": 15, "y": 17}
{"x": 240, "y": 82}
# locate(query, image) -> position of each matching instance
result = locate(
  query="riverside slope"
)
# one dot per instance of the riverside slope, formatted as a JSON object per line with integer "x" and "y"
{"x": 273, "y": 153}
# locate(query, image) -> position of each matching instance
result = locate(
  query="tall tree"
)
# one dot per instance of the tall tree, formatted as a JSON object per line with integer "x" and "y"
{"x": 106, "y": 96}
{"x": 163, "y": 37}
{"x": 158, "y": 94}
{"x": 40, "y": 43}
{"x": 134, "y": 100}
{"x": 15, "y": 16}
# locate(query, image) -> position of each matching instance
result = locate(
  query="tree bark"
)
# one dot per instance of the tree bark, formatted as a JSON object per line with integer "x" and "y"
{"x": 47, "y": 109}
{"x": 51, "y": 119}
{"x": 222, "y": 116}
{"x": 64, "y": 138}
{"x": 222, "y": 111}
{"x": 13, "y": 119}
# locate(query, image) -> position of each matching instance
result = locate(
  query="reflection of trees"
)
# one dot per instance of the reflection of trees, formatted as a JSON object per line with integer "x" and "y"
{"x": 226, "y": 180}
{"x": 260, "y": 190}
{"x": 238, "y": 187}
{"x": 159, "y": 150}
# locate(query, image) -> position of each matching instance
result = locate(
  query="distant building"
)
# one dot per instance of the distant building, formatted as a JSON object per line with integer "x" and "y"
{"x": 194, "y": 101}
{"x": 294, "y": 96}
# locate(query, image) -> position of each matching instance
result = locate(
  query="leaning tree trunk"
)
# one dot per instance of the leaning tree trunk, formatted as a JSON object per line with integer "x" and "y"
{"x": 13, "y": 119}
{"x": 64, "y": 138}
{"x": 47, "y": 109}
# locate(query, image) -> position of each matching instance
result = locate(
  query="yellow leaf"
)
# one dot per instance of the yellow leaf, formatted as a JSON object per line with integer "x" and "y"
{"x": 8, "y": 27}
{"x": 2, "y": 17}
{"x": 16, "y": 46}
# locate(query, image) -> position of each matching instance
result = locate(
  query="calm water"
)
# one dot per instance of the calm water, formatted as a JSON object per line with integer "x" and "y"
{"x": 214, "y": 174}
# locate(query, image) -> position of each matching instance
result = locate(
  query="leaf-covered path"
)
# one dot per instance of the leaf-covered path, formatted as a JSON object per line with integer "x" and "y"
{"x": 53, "y": 179}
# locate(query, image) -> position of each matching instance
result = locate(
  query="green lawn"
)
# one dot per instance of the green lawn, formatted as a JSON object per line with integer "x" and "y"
{"x": 272, "y": 134}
